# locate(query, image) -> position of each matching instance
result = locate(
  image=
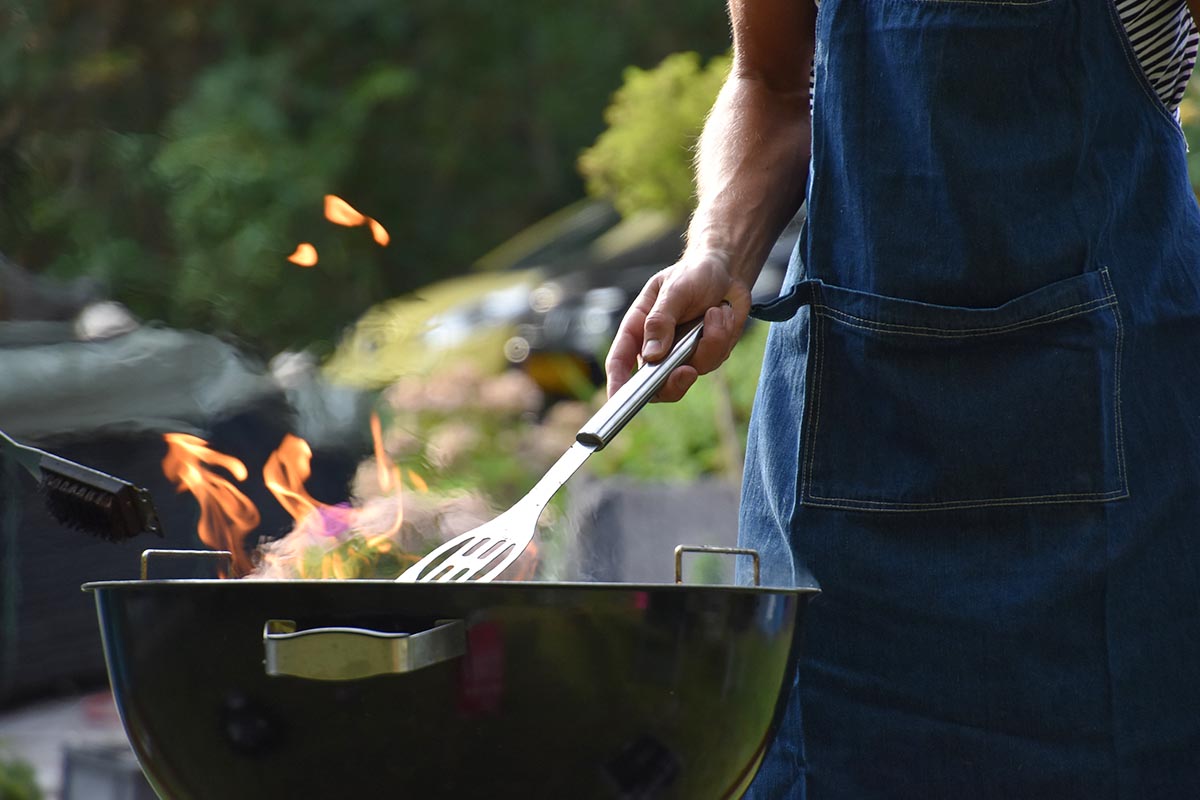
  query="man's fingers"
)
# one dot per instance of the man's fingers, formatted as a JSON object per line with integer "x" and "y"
{"x": 627, "y": 344}
{"x": 622, "y": 358}
{"x": 660, "y": 332}
{"x": 677, "y": 385}
{"x": 676, "y": 296}
{"x": 714, "y": 344}
{"x": 722, "y": 328}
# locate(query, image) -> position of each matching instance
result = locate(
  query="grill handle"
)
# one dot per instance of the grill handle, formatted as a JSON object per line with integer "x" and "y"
{"x": 726, "y": 551}
{"x": 350, "y": 654}
{"x": 637, "y": 391}
{"x": 157, "y": 554}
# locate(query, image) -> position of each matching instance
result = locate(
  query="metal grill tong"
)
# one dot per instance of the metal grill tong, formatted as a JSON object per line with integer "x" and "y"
{"x": 484, "y": 552}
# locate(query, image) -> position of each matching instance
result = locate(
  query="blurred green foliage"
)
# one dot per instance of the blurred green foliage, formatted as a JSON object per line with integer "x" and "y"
{"x": 180, "y": 151}
{"x": 17, "y": 779}
{"x": 643, "y": 160}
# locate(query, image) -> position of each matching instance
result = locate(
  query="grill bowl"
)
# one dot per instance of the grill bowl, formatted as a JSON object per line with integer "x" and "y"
{"x": 587, "y": 690}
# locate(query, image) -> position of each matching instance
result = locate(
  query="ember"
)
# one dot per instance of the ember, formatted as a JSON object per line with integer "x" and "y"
{"x": 305, "y": 255}
{"x": 339, "y": 212}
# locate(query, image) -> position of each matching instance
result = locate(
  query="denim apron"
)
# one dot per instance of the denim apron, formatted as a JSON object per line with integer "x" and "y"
{"x": 978, "y": 425}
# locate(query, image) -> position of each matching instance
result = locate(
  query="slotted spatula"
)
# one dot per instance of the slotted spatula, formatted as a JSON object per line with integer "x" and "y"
{"x": 483, "y": 553}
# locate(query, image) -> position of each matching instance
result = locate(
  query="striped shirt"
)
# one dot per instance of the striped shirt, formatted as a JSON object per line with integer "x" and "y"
{"x": 1165, "y": 40}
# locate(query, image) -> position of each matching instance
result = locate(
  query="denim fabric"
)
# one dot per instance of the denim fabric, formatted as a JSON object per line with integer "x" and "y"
{"x": 978, "y": 426}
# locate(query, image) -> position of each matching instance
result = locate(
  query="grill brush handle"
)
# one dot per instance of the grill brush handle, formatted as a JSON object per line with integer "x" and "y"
{"x": 637, "y": 391}
{"x": 350, "y": 654}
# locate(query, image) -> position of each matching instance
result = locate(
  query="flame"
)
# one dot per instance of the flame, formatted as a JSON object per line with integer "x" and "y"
{"x": 226, "y": 515}
{"x": 305, "y": 255}
{"x": 388, "y": 475}
{"x": 379, "y": 233}
{"x": 335, "y": 542}
{"x": 284, "y": 475}
{"x": 385, "y": 471}
{"x": 339, "y": 212}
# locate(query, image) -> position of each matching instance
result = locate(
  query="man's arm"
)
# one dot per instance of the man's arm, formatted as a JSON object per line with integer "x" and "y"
{"x": 1194, "y": 7}
{"x": 751, "y": 171}
{"x": 753, "y": 157}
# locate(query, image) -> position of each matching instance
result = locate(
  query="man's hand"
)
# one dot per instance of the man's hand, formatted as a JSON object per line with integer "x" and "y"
{"x": 699, "y": 284}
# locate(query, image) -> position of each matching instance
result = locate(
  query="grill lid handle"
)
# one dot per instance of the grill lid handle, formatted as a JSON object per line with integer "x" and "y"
{"x": 350, "y": 654}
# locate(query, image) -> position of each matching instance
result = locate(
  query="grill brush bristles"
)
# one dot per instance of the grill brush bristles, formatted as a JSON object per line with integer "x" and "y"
{"x": 86, "y": 499}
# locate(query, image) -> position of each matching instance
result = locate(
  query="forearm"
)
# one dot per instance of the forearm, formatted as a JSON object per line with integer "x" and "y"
{"x": 1194, "y": 7}
{"x": 751, "y": 171}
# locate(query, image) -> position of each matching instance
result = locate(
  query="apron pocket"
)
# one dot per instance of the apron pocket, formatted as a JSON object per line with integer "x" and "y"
{"x": 919, "y": 407}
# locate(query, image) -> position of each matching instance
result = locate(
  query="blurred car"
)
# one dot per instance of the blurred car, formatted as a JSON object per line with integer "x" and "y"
{"x": 547, "y": 301}
{"x": 468, "y": 317}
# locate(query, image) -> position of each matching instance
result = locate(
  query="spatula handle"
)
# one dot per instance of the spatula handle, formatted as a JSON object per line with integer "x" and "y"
{"x": 639, "y": 390}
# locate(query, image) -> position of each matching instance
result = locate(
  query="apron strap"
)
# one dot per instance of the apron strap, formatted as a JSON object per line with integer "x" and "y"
{"x": 785, "y": 306}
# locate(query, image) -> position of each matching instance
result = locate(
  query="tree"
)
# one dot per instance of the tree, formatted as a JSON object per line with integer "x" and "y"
{"x": 642, "y": 161}
{"x": 180, "y": 151}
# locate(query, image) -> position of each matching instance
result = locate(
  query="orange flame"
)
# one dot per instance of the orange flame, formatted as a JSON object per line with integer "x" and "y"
{"x": 285, "y": 473}
{"x": 290, "y": 466}
{"x": 388, "y": 475}
{"x": 226, "y": 515}
{"x": 305, "y": 255}
{"x": 385, "y": 470}
{"x": 339, "y": 212}
{"x": 379, "y": 233}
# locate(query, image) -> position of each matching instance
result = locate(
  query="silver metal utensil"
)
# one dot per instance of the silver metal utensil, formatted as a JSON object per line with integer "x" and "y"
{"x": 483, "y": 553}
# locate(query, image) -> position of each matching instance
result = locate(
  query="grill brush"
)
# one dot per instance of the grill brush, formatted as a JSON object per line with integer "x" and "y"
{"x": 86, "y": 499}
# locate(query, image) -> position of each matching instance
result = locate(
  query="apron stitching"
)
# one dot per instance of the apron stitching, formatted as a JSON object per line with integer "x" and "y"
{"x": 1117, "y": 380}
{"x": 954, "y": 333}
{"x": 806, "y": 493}
{"x": 818, "y": 371}
{"x": 1025, "y": 500}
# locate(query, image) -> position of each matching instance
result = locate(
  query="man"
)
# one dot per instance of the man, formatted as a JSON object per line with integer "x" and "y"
{"x": 978, "y": 424}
